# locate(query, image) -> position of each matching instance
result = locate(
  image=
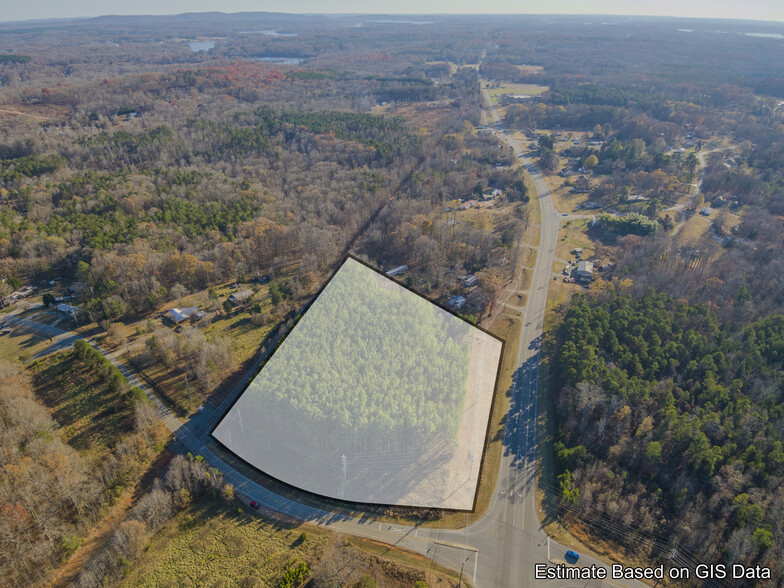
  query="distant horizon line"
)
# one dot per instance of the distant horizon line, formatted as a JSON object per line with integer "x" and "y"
{"x": 400, "y": 14}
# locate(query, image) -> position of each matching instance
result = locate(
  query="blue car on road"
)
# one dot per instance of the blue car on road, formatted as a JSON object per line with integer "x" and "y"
{"x": 573, "y": 554}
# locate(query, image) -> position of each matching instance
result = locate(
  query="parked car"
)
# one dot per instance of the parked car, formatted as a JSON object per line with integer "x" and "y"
{"x": 573, "y": 554}
{"x": 5, "y": 330}
{"x": 257, "y": 506}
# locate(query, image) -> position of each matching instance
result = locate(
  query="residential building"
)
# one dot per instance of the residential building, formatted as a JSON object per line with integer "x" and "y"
{"x": 241, "y": 296}
{"x": 178, "y": 315}
{"x": 457, "y": 302}
{"x": 584, "y": 271}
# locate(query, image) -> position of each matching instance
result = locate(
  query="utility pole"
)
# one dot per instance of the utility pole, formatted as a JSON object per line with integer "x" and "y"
{"x": 672, "y": 556}
{"x": 460, "y": 581}
{"x": 548, "y": 548}
{"x": 674, "y": 549}
{"x": 343, "y": 461}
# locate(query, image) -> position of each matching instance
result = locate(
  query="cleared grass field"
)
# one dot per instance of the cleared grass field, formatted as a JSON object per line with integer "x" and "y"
{"x": 563, "y": 198}
{"x": 693, "y": 230}
{"x": 21, "y": 344}
{"x": 523, "y": 89}
{"x": 246, "y": 338}
{"x": 210, "y": 544}
{"x": 574, "y": 234}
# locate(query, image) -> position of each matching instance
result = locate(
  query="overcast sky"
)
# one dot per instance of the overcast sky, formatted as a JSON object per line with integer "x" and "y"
{"x": 742, "y": 9}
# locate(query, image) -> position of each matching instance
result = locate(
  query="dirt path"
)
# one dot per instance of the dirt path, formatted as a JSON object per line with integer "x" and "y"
{"x": 98, "y": 536}
{"x": 19, "y": 113}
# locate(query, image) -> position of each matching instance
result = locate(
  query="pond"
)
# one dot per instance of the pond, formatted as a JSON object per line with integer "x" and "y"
{"x": 269, "y": 33}
{"x": 197, "y": 46}
{"x": 281, "y": 59}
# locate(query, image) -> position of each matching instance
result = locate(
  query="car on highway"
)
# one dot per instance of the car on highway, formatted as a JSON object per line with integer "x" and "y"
{"x": 573, "y": 555}
{"x": 257, "y": 506}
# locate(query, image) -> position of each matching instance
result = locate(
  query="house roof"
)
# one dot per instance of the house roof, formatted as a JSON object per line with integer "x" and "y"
{"x": 241, "y": 295}
{"x": 180, "y": 314}
{"x": 585, "y": 266}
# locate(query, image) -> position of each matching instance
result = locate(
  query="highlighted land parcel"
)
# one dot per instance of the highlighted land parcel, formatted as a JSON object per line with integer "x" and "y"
{"x": 376, "y": 396}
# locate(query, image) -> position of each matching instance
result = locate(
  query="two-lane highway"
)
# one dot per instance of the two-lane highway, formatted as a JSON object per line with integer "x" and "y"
{"x": 503, "y": 547}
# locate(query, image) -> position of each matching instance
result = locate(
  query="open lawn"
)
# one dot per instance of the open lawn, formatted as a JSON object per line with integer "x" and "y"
{"x": 521, "y": 89}
{"x": 563, "y": 197}
{"x": 169, "y": 384}
{"x": 91, "y": 415}
{"x": 21, "y": 344}
{"x": 245, "y": 339}
{"x": 574, "y": 234}
{"x": 693, "y": 230}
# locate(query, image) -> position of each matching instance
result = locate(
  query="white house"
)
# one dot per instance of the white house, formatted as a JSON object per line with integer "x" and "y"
{"x": 177, "y": 315}
{"x": 68, "y": 309}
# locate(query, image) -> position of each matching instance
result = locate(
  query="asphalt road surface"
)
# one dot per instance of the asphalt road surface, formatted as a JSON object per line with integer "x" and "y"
{"x": 502, "y": 548}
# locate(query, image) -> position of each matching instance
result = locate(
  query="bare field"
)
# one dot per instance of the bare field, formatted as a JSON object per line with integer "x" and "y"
{"x": 521, "y": 89}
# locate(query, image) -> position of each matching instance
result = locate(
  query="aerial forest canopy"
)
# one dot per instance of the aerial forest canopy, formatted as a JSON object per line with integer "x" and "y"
{"x": 675, "y": 422}
{"x": 370, "y": 367}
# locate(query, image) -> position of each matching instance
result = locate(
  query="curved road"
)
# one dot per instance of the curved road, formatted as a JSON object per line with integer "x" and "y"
{"x": 502, "y": 548}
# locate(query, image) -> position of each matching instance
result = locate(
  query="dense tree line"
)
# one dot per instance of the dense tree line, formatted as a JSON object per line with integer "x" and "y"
{"x": 671, "y": 424}
{"x": 49, "y": 493}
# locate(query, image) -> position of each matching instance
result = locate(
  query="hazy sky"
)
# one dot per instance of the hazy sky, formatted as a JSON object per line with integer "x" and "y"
{"x": 743, "y": 9}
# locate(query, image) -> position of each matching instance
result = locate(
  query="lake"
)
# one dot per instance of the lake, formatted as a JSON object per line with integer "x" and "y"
{"x": 269, "y": 33}
{"x": 280, "y": 59}
{"x": 197, "y": 46}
